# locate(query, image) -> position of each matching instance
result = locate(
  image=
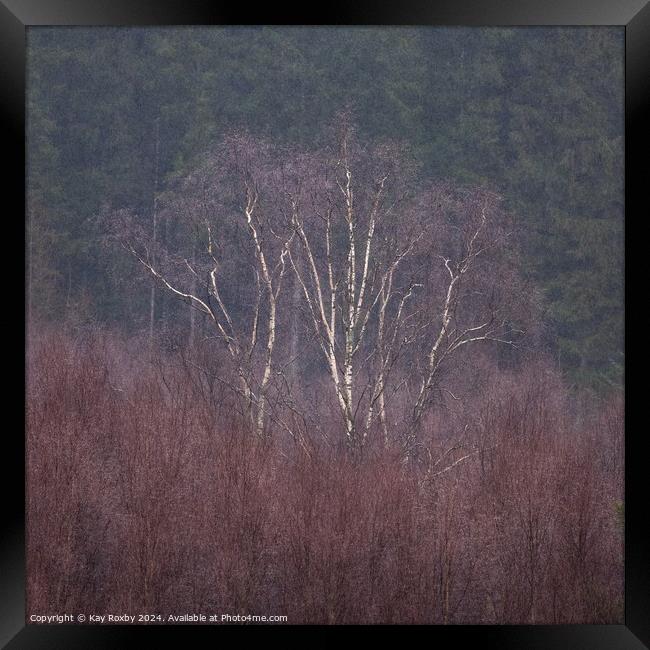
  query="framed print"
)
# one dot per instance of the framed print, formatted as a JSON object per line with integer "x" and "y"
{"x": 325, "y": 322}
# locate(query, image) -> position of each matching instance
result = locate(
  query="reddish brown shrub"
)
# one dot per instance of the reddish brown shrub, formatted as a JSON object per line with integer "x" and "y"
{"x": 145, "y": 495}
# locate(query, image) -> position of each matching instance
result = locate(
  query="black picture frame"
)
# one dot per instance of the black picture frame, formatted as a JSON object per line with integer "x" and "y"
{"x": 17, "y": 15}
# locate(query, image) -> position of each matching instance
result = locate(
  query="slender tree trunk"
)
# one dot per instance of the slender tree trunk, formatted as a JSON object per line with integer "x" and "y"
{"x": 193, "y": 311}
{"x": 269, "y": 354}
{"x": 154, "y": 224}
{"x": 164, "y": 301}
{"x": 295, "y": 334}
{"x": 152, "y": 294}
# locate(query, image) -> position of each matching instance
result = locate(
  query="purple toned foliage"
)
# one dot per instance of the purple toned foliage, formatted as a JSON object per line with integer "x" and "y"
{"x": 147, "y": 493}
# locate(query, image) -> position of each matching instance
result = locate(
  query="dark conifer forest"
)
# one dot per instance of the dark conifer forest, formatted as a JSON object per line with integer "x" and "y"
{"x": 326, "y": 323}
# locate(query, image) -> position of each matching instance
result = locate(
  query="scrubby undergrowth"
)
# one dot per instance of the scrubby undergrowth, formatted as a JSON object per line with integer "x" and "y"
{"x": 146, "y": 495}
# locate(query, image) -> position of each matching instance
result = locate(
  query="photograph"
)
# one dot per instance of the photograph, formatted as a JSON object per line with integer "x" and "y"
{"x": 325, "y": 325}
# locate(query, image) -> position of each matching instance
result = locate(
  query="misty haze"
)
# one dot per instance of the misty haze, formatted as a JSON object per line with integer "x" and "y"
{"x": 325, "y": 325}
